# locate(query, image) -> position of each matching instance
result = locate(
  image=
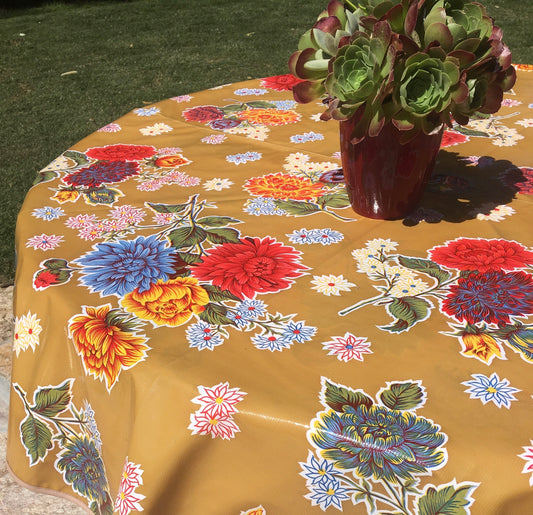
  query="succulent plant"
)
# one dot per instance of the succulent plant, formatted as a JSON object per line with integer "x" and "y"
{"x": 416, "y": 63}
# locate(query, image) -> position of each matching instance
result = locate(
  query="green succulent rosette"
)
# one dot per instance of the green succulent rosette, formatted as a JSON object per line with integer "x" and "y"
{"x": 416, "y": 63}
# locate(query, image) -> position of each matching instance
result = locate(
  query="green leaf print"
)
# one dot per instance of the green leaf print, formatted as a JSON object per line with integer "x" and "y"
{"x": 402, "y": 396}
{"x": 51, "y": 401}
{"x": 449, "y": 500}
{"x": 425, "y": 266}
{"x": 36, "y": 437}
{"x": 187, "y": 236}
{"x": 407, "y": 311}
{"x": 336, "y": 397}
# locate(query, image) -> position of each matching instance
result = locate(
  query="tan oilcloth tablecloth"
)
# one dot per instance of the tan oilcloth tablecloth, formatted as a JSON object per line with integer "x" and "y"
{"x": 205, "y": 327}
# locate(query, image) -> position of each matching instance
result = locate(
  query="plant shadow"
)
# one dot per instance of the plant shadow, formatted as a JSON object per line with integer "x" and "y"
{"x": 461, "y": 189}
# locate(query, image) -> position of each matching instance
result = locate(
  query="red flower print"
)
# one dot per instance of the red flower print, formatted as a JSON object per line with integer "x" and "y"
{"x": 482, "y": 255}
{"x": 450, "y": 138}
{"x": 45, "y": 278}
{"x": 280, "y": 82}
{"x": 492, "y": 297}
{"x": 519, "y": 179}
{"x": 251, "y": 266}
{"x": 121, "y": 152}
{"x": 203, "y": 114}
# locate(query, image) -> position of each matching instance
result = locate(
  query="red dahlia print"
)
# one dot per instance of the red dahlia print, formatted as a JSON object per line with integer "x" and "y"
{"x": 251, "y": 266}
{"x": 481, "y": 255}
{"x": 280, "y": 82}
{"x": 121, "y": 152}
{"x": 450, "y": 138}
{"x": 203, "y": 114}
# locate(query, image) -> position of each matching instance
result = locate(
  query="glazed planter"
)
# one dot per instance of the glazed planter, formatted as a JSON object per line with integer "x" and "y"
{"x": 385, "y": 179}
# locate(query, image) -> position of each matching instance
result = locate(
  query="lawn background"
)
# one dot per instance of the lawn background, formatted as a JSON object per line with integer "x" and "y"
{"x": 127, "y": 54}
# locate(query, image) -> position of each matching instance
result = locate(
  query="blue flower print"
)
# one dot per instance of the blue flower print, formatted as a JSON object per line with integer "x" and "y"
{"x": 491, "y": 389}
{"x": 285, "y": 105}
{"x": 323, "y": 236}
{"x": 298, "y": 332}
{"x": 271, "y": 342}
{"x": 379, "y": 442}
{"x": 328, "y": 236}
{"x": 302, "y": 236}
{"x": 328, "y": 493}
{"x": 263, "y": 206}
{"x": 203, "y": 336}
{"x": 238, "y": 318}
{"x": 250, "y": 91}
{"x": 307, "y": 136}
{"x": 251, "y": 309}
{"x": 146, "y": 111}
{"x": 244, "y": 158}
{"x": 317, "y": 471}
{"x": 48, "y": 213}
{"x": 117, "y": 268}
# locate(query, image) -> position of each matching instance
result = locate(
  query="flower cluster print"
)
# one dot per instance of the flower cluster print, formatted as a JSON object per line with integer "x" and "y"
{"x": 376, "y": 451}
{"x": 93, "y": 175}
{"x": 197, "y": 270}
{"x": 301, "y": 189}
{"x": 128, "y": 499}
{"x": 53, "y": 423}
{"x": 252, "y": 119}
{"x": 484, "y": 285}
{"x": 215, "y": 415}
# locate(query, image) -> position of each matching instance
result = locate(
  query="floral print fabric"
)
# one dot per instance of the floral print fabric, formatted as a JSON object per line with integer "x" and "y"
{"x": 203, "y": 325}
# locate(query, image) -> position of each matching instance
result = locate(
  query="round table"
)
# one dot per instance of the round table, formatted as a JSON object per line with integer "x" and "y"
{"x": 203, "y": 326}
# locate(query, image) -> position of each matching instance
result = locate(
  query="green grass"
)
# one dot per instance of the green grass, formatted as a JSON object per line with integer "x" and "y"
{"x": 130, "y": 53}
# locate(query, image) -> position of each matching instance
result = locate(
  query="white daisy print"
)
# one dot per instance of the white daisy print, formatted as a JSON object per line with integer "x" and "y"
{"x": 331, "y": 284}
{"x": 217, "y": 184}
{"x": 26, "y": 334}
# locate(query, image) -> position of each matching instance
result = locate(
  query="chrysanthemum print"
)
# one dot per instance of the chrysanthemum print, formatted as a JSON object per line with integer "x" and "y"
{"x": 484, "y": 285}
{"x": 215, "y": 415}
{"x": 108, "y": 342}
{"x": 378, "y": 451}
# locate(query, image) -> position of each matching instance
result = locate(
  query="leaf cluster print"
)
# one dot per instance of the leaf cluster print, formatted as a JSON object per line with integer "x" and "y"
{"x": 51, "y": 421}
{"x": 377, "y": 450}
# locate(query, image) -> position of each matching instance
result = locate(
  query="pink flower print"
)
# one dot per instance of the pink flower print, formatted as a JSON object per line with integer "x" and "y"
{"x": 203, "y": 423}
{"x": 127, "y": 498}
{"x": 219, "y": 400}
{"x": 152, "y": 185}
{"x": 91, "y": 232}
{"x": 348, "y": 347}
{"x": 80, "y": 221}
{"x": 217, "y": 405}
{"x": 528, "y": 456}
{"x": 130, "y": 214}
{"x": 44, "y": 242}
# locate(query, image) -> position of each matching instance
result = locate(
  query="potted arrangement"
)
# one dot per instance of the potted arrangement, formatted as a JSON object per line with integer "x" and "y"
{"x": 394, "y": 73}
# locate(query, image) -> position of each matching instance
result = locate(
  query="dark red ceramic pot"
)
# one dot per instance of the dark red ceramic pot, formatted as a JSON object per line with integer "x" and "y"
{"x": 385, "y": 179}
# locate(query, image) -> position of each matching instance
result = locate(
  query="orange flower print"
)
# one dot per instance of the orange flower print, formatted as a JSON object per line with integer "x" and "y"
{"x": 169, "y": 303}
{"x": 107, "y": 341}
{"x": 269, "y": 116}
{"x": 480, "y": 346}
{"x": 63, "y": 196}
{"x": 172, "y": 161}
{"x": 284, "y": 187}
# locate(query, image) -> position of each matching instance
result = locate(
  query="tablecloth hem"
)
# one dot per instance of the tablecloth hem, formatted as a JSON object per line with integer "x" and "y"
{"x": 46, "y": 491}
